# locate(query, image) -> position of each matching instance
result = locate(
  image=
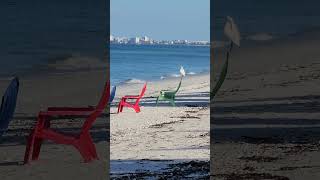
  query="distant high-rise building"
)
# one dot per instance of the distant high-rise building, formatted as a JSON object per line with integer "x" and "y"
{"x": 146, "y": 39}
{"x": 111, "y": 38}
{"x": 135, "y": 40}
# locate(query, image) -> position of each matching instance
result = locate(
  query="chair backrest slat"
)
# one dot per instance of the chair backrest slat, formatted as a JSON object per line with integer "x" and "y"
{"x": 178, "y": 86}
{"x": 8, "y": 104}
{"x": 143, "y": 90}
{"x": 141, "y": 93}
{"x": 99, "y": 109}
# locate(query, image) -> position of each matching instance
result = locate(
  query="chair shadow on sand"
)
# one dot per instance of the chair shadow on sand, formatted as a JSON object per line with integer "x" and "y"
{"x": 17, "y": 136}
{"x": 14, "y": 163}
{"x": 283, "y": 127}
{"x": 299, "y": 129}
{"x": 199, "y": 99}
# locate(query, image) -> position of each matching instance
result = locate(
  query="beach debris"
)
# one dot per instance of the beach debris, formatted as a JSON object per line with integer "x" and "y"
{"x": 160, "y": 125}
{"x": 259, "y": 158}
{"x": 187, "y": 116}
{"x": 291, "y": 168}
{"x": 246, "y": 176}
{"x": 175, "y": 170}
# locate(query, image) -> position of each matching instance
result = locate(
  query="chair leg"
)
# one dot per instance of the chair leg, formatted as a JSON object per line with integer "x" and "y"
{"x": 29, "y": 146}
{"x": 136, "y": 108}
{"x": 92, "y": 148}
{"x": 43, "y": 124}
{"x": 83, "y": 149}
{"x": 119, "y": 106}
{"x": 84, "y": 146}
{"x": 85, "y": 153}
{"x": 122, "y": 105}
{"x": 36, "y": 148}
{"x": 172, "y": 102}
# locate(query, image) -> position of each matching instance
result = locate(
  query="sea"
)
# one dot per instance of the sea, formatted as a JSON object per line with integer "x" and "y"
{"x": 139, "y": 63}
{"x": 59, "y": 36}
{"x": 51, "y": 36}
{"x": 266, "y": 20}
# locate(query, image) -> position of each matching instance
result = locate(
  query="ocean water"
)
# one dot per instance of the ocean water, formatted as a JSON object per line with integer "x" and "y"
{"x": 40, "y": 36}
{"x": 261, "y": 20}
{"x": 137, "y": 63}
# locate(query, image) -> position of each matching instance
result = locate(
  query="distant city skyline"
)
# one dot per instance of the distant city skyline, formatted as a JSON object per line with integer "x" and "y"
{"x": 140, "y": 40}
{"x": 161, "y": 19}
{"x": 147, "y": 36}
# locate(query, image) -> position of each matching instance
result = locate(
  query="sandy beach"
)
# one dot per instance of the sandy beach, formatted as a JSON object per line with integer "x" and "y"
{"x": 162, "y": 140}
{"x": 265, "y": 119}
{"x": 56, "y": 161}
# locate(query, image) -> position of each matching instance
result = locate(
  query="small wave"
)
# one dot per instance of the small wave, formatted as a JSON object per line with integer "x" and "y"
{"x": 191, "y": 73}
{"x": 260, "y": 37}
{"x": 175, "y": 75}
{"x": 169, "y": 76}
{"x": 76, "y": 63}
{"x": 134, "y": 81}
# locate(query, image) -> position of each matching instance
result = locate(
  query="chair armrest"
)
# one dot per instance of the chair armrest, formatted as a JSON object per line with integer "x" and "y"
{"x": 166, "y": 91}
{"x": 131, "y": 97}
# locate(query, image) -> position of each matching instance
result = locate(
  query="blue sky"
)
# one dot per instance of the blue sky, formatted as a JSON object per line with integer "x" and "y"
{"x": 161, "y": 19}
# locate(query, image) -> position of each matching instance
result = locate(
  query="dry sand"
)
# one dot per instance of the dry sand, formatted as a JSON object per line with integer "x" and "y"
{"x": 265, "y": 120}
{"x": 56, "y": 161}
{"x": 162, "y": 140}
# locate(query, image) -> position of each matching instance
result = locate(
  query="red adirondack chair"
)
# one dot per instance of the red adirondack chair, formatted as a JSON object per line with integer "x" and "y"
{"x": 82, "y": 141}
{"x": 135, "y": 106}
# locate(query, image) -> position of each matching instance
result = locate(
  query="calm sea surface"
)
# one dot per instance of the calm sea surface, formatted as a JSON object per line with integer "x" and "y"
{"x": 135, "y": 63}
{"x": 277, "y": 18}
{"x": 71, "y": 35}
{"x": 36, "y": 33}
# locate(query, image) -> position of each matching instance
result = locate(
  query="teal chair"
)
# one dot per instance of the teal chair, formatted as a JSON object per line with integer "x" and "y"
{"x": 8, "y": 105}
{"x": 112, "y": 94}
{"x": 167, "y": 95}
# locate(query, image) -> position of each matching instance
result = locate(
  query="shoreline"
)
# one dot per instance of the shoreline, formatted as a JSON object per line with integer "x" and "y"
{"x": 169, "y": 78}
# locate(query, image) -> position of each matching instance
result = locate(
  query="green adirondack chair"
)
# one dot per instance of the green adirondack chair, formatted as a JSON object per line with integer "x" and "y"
{"x": 232, "y": 32}
{"x": 167, "y": 95}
